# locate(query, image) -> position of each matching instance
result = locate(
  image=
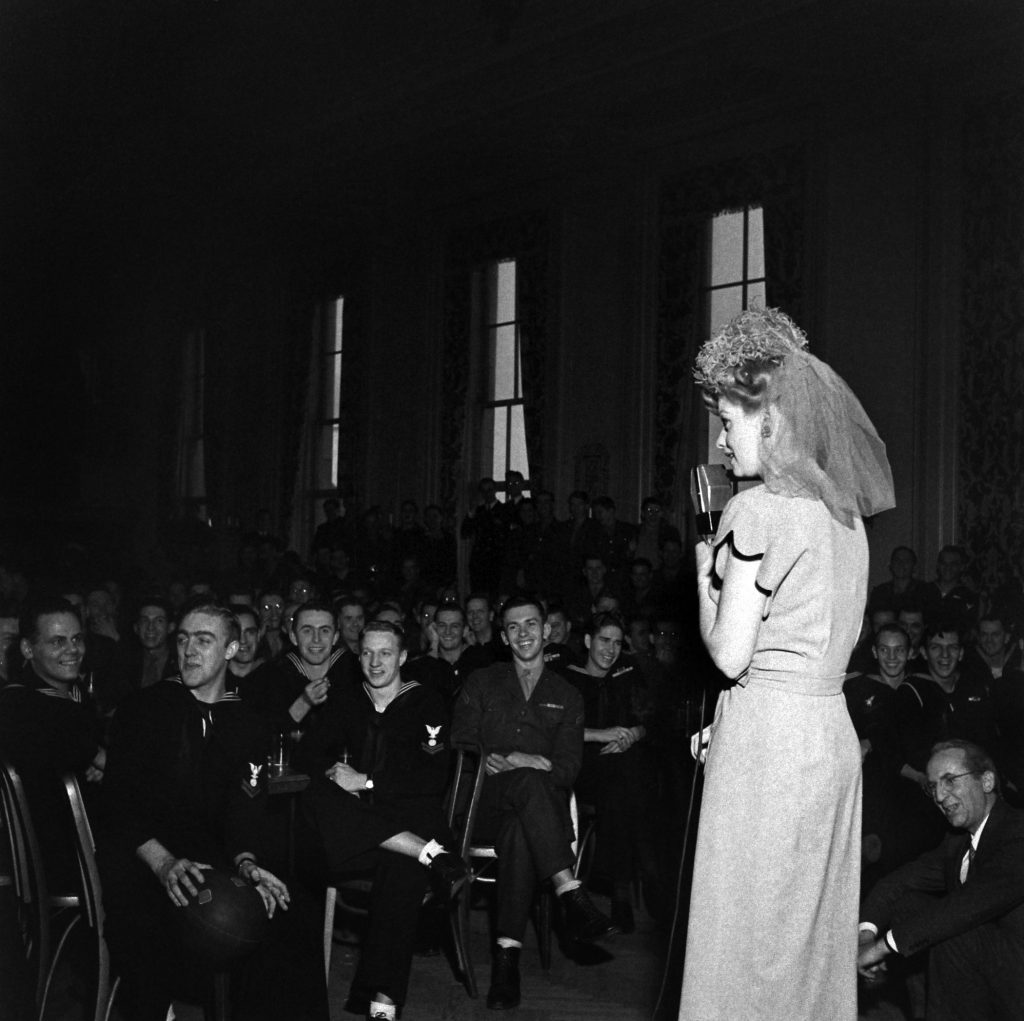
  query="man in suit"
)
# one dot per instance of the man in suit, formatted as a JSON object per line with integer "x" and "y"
{"x": 973, "y": 922}
{"x": 529, "y": 722}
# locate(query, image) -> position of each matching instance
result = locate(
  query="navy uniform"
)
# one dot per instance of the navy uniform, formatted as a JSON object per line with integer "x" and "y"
{"x": 405, "y": 753}
{"x": 184, "y": 772}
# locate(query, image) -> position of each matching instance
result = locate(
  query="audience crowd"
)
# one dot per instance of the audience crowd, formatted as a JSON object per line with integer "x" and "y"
{"x": 572, "y": 660}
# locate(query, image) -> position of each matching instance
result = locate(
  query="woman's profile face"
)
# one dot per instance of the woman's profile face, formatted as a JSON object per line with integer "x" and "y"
{"x": 740, "y": 438}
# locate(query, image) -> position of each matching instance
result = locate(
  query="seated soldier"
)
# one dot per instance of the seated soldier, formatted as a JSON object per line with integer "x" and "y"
{"x": 948, "y": 598}
{"x": 902, "y": 589}
{"x": 653, "y": 531}
{"x": 380, "y": 767}
{"x": 8, "y": 642}
{"x": 441, "y": 667}
{"x": 582, "y": 599}
{"x": 963, "y": 901}
{"x": 271, "y": 610}
{"x": 897, "y": 822}
{"x": 147, "y": 660}
{"x": 350, "y": 613}
{"x": 911, "y": 618}
{"x": 180, "y": 802}
{"x": 561, "y": 647}
{"x": 48, "y": 726}
{"x": 485, "y": 643}
{"x": 994, "y": 651}
{"x": 291, "y": 691}
{"x": 944, "y": 702}
{"x": 862, "y": 659}
{"x": 612, "y": 778}
{"x": 247, "y": 659}
{"x": 529, "y": 723}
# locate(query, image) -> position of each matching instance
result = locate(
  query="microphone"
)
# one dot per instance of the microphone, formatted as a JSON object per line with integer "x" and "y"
{"x": 710, "y": 490}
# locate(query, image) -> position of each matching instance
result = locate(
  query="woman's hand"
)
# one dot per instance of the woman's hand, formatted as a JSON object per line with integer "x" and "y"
{"x": 700, "y": 743}
{"x": 705, "y": 556}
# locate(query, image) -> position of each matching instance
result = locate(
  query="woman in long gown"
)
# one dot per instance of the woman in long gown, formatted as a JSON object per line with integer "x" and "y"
{"x": 773, "y": 918}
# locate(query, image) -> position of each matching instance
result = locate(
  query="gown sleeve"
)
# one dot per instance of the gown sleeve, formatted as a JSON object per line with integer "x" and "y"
{"x": 757, "y": 525}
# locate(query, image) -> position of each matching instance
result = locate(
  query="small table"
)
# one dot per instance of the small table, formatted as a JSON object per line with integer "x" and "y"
{"x": 293, "y": 783}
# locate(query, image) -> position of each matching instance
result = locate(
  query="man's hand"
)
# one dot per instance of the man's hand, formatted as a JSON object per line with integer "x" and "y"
{"x": 316, "y": 691}
{"x": 871, "y": 956}
{"x": 497, "y": 763}
{"x": 178, "y": 875}
{"x": 619, "y": 739}
{"x": 94, "y": 771}
{"x": 313, "y": 694}
{"x": 434, "y": 638}
{"x": 271, "y": 890}
{"x": 346, "y": 777}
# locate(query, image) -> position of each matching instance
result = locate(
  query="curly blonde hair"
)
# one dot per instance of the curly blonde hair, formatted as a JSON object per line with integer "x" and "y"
{"x": 738, "y": 361}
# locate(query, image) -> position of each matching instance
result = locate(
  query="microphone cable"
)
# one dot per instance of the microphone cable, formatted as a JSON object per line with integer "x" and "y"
{"x": 687, "y": 831}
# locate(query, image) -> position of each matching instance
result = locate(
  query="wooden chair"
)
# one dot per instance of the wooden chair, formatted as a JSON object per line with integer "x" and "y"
{"x": 41, "y": 914}
{"x": 481, "y": 860}
{"x": 92, "y": 899}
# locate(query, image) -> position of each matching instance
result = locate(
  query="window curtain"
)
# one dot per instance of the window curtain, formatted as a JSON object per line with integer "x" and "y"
{"x": 774, "y": 180}
{"x": 527, "y": 239}
{"x": 991, "y": 436}
{"x": 299, "y": 413}
{"x": 301, "y": 477}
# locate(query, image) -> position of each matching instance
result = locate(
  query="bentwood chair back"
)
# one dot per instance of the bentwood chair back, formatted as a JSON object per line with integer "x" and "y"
{"x": 92, "y": 899}
{"x": 38, "y": 909}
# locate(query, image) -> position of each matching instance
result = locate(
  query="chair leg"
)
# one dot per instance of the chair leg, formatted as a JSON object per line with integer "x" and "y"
{"x": 40, "y": 950}
{"x": 109, "y": 1005}
{"x": 458, "y": 917}
{"x": 51, "y": 966}
{"x": 330, "y": 903}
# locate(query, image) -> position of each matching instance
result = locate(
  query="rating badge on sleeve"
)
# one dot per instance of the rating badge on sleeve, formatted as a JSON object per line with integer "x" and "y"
{"x": 432, "y": 745}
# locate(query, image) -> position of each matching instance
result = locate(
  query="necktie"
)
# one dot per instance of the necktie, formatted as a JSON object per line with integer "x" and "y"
{"x": 966, "y": 863}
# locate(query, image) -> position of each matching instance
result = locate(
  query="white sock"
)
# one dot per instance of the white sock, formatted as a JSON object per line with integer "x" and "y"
{"x": 509, "y": 944}
{"x": 388, "y": 1010}
{"x": 568, "y": 886}
{"x": 431, "y": 849}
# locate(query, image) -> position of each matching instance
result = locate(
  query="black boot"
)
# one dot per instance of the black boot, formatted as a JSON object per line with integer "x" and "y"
{"x": 583, "y": 922}
{"x": 504, "y": 991}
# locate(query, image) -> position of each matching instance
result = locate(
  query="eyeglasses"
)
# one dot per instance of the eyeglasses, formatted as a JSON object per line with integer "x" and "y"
{"x": 945, "y": 782}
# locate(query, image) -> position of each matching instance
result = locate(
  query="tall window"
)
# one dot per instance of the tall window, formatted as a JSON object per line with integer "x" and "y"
{"x": 329, "y": 374}
{"x": 504, "y": 424}
{"x": 191, "y": 455}
{"x": 735, "y": 278}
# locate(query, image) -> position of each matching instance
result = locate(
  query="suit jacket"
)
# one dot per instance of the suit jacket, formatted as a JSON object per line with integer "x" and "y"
{"x": 992, "y": 895}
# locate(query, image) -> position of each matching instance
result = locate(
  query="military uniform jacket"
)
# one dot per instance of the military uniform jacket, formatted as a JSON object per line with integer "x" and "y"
{"x": 405, "y": 749}
{"x": 493, "y": 712}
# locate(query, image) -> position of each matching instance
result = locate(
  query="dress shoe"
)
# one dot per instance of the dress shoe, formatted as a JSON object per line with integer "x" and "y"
{"x": 504, "y": 991}
{"x": 583, "y": 922}
{"x": 447, "y": 874}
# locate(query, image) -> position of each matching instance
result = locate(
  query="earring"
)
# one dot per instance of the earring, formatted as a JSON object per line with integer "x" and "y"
{"x": 766, "y": 426}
